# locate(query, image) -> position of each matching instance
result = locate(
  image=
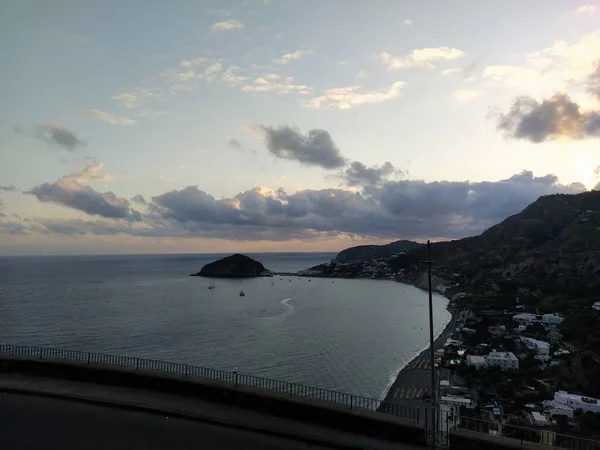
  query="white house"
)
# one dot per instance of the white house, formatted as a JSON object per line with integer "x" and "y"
{"x": 455, "y": 400}
{"x": 557, "y": 409}
{"x": 596, "y": 306}
{"x": 577, "y": 401}
{"x": 540, "y": 347}
{"x": 504, "y": 360}
{"x": 476, "y": 361}
{"x": 552, "y": 319}
{"x": 525, "y": 318}
{"x": 539, "y": 419}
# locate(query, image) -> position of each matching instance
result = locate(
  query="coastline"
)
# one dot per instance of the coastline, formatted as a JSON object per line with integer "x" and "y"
{"x": 410, "y": 383}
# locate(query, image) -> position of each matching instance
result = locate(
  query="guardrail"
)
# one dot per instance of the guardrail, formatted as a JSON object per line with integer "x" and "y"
{"x": 445, "y": 423}
{"x": 519, "y": 432}
{"x": 233, "y": 378}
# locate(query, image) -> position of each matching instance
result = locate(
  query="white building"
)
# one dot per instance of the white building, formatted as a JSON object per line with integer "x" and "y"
{"x": 577, "y": 401}
{"x": 557, "y": 409}
{"x": 455, "y": 400}
{"x": 525, "y": 318}
{"x": 596, "y": 306}
{"x": 540, "y": 347}
{"x": 504, "y": 360}
{"x": 476, "y": 361}
{"x": 539, "y": 419}
{"x": 552, "y": 319}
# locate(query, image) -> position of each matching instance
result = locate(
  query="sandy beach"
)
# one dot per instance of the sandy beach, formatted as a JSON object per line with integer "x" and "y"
{"x": 415, "y": 378}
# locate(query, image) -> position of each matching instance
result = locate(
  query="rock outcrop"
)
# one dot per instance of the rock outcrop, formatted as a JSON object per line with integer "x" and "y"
{"x": 234, "y": 266}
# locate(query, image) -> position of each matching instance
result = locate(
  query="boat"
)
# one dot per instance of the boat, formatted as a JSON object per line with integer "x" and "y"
{"x": 242, "y": 294}
{"x": 212, "y": 285}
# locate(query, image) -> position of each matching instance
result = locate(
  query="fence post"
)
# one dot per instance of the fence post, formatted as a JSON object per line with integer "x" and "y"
{"x": 89, "y": 357}
{"x": 186, "y": 370}
{"x": 351, "y": 400}
{"x": 235, "y": 371}
{"x": 137, "y": 363}
{"x": 41, "y": 352}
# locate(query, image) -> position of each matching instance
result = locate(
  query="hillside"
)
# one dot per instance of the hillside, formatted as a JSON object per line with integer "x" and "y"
{"x": 547, "y": 256}
{"x": 362, "y": 252}
{"x": 548, "y": 252}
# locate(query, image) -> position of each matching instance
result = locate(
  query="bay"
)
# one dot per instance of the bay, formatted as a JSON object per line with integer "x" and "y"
{"x": 348, "y": 335}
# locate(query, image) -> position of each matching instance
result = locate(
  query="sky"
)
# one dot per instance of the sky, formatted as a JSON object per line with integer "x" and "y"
{"x": 288, "y": 125}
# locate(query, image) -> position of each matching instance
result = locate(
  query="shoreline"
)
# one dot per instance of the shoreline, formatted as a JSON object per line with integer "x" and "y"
{"x": 419, "y": 363}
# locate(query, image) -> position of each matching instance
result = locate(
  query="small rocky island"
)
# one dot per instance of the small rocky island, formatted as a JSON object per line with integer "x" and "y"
{"x": 234, "y": 266}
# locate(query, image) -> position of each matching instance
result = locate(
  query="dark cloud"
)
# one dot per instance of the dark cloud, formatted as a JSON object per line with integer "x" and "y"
{"x": 234, "y": 143}
{"x": 397, "y": 209}
{"x": 54, "y": 135}
{"x": 13, "y": 228}
{"x": 139, "y": 199}
{"x": 411, "y": 209}
{"x": 1, "y": 208}
{"x": 9, "y": 188}
{"x": 71, "y": 191}
{"x": 315, "y": 148}
{"x": 553, "y": 118}
{"x": 358, "y": 174}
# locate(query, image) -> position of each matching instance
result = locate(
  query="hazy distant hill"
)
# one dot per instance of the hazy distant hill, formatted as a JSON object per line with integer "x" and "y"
{"x": 363, "y": 252}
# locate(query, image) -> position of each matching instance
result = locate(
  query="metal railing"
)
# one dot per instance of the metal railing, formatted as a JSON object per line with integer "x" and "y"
{"x": 445, "y": 423}
{"x": 233, "y": 378}
{"x": 515, "y": 432}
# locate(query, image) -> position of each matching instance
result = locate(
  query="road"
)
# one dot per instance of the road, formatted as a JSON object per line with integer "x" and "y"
{"x": 29, "y": 422}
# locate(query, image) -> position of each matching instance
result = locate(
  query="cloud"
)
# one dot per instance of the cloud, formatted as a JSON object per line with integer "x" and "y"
{"x": 54, "y": 135}
{"x": 465, "y": 95}
{"x": 132, "y": 99}
{"x": 71, "y": 191}
{"x": 407, "y": 23}
{"x": 555, "y": 118}
{"x": 277, "y": 84}
{"x": 9, "y": 188}
{"x": 358, "y": 174}
{"x": 111, "y": 118}
{"x": 139, "y": 199}
{"x": 293, "y": 56}
{"x": 593, "y": 85}
{"x": 361, "y": 74}
{"x": 315, "y": 148}
{"x": 234, "y": 143}
{"x": 229, "y": 77}
{"x": 587, "y": 8}
{"x": 422, "y": 57}
{"x": 227, "y": 25}
{"x": 411, "y": 209}
{"x": 352, "y": 96}
{"x": 451, "y": 71}
{"x": 188, "y": 63}
{"x": 562, "y": 66}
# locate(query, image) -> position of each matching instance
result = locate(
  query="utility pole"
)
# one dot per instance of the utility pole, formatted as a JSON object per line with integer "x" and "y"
{"x": 429, "y": 262}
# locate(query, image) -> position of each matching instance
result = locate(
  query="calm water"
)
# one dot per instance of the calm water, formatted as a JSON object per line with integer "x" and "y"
{"x": 348, "y": 335}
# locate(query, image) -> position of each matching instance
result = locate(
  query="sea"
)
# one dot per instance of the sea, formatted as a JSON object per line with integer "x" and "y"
{"x": 349, "y": 335}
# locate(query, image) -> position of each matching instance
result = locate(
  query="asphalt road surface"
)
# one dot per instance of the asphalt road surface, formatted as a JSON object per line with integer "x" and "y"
{"x": 28, "y": 422}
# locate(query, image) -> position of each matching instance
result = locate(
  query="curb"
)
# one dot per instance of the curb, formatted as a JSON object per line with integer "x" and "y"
{"x": 179, "y": 415}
